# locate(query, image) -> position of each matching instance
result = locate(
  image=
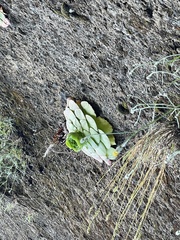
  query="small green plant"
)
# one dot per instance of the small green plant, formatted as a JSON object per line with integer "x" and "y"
{"x": 12, "y": 164}
{"x": 89, "y": 133}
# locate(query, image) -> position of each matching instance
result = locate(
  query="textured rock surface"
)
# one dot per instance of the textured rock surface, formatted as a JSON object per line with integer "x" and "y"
{"x": 46, "y": 57}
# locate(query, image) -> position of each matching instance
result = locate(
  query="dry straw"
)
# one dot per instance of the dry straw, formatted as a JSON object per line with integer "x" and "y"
{"x": 137, "y": 181}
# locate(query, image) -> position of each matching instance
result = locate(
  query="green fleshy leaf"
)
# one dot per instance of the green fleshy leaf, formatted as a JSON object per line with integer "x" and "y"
{"x": 104, "y": 125}
{"x": 70, "y": 126}
{"x": 73, "y": 141}
{"x": 91, "y": 122}
{"x": 69, "y": 115}
{"x": 72, "y": 105}
{"x": 2, "y": 17}
{"x": 77, "y": 124}
{"x": 84, "y": 125}
{"x": 88, "y": 149}
{"x": 92, "y": 143}
{"x": 105, "y": 139}
{"x": 91, "y": 151}
{"x": 86, "y": 133}
{"x": 112, "y": 139}
{"x": 86, "y": 107}
{"x": 101, "y": 150}
{"x": 79, "y": 114}
{"x": 95, "y": 135}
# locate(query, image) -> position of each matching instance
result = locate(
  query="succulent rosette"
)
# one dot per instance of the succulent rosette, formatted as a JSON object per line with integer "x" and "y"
{"x": 89, "y": 133}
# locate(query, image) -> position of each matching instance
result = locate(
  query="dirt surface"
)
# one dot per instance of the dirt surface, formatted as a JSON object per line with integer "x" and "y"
{"x": 45, "y": 58}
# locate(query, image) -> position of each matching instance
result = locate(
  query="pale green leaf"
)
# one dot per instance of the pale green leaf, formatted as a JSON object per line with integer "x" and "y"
{"x": 91, "y": 122}
{"x": 105, "y": 139}
{"x": 69, "y": 115}
{"x": 72, "y": 105}
{"x": 88, "y": 149}
{"x": 101, "y": 150}
{"x": 97, "y": 157}
{"x": 79, "y": 114}
{"x": 86, "y": 133}
{"x": 92, "y": 143}
{"x": 70, "y": 126}
{"x": 2, "y": 17}
{"x": 84, "y": 125}
{"x": 95, "y": 135}
{"x": 87, "y": 108}
{"x": 77, "y": 125}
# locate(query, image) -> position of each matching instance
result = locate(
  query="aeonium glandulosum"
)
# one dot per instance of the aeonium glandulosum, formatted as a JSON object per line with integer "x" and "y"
{"x": 89, "y": 133}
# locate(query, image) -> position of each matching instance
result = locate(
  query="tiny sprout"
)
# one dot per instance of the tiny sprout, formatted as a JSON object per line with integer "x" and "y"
{"x": 73, "y": 141}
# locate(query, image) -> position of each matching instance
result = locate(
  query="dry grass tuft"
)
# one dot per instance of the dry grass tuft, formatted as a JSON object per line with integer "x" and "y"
{"x": 137, "y": 180}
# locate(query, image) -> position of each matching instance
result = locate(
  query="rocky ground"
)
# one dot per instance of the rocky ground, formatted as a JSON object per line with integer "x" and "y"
{"x": 83, "y": 49}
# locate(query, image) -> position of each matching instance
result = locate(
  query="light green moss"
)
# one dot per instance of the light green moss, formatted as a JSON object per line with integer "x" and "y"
{"x": 12, "y": 164}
